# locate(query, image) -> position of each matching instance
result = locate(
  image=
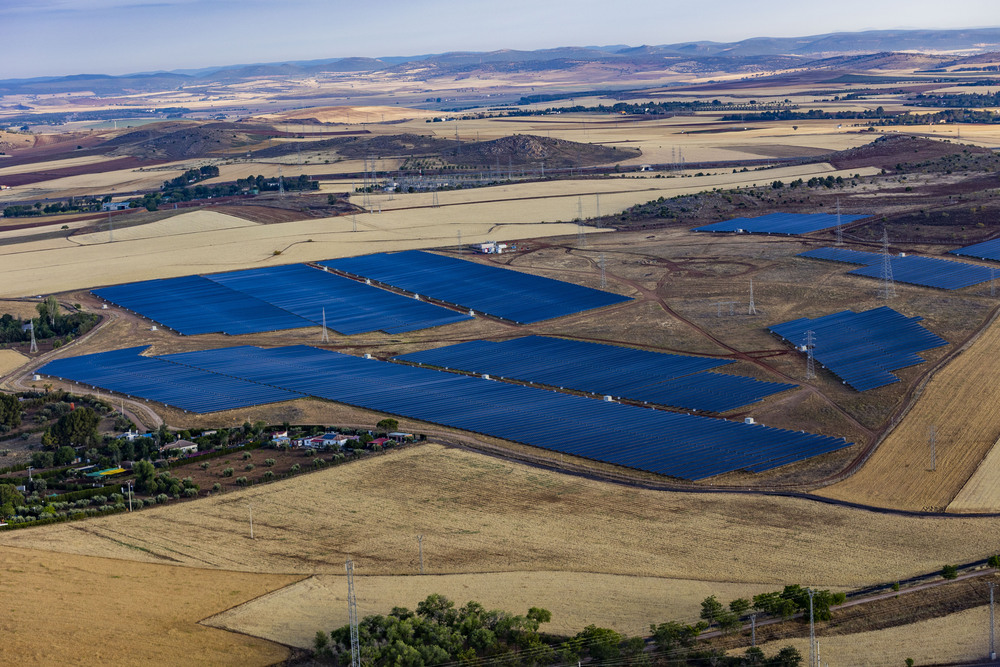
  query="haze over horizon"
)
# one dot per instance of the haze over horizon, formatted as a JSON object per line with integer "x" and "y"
{"x": 64, "y": 37}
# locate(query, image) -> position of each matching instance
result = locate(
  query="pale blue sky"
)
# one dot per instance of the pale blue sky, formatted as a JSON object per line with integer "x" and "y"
{"x": 54, "y": 37}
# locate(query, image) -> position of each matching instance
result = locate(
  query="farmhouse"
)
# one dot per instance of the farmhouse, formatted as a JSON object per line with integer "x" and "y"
{"x": 115, "y": 206}
{"x": 179, "y": 448}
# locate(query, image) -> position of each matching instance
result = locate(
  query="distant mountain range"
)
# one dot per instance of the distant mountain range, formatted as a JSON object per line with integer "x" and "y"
{"x": 758, "y": 52}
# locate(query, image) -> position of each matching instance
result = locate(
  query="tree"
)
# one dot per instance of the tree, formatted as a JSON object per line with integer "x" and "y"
{"x": 144, "y": 474}
{"x": 602, "y": 643}
{"x": 711, "y": 609}
{"x": 78, "y": 428}
{"x": 64, "y": 456}
{"x": 10, "y": 498}
{"x": 949, "y": 572}
{"x": 42, "y": 460}
{"x": 10, "y": 411}
{"x": 388, "y": 425}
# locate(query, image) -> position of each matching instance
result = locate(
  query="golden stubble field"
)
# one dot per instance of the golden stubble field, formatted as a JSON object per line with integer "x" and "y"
{"x": 959, "y": 403}
{"x": 62, "y": 609}
{"x": 481, "y": 514}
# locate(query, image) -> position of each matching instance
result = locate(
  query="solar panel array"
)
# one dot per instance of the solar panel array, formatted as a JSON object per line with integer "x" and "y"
{"x": 664, "y": 379}
{"x": 984, "y": 250}
{"x": 780, "y": 223}
{"x": 272, "y": 299}
{"x": 911, "y": 269}
{"x": 863, "y": 348}
{"x": 351, "y": 307}
{"x": 844, "y": 255}
{"x": 678, "y": 445}
{"x": 504, "y": 293}
{"x": 127, "y": 372}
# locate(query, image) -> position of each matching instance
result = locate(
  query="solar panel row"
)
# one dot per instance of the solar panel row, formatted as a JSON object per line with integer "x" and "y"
{"x": 984, "y": 250}
{"x": 350, "y": 307}
{"x": 911, "y": 269}
{"x": 664, "y": 379}
{"x": 272, "y": 299}
{"x": 194, "y": 305}
{"x": 863, "y": 348}
{"x": 500, "y": 292}
{"x": 780, "y": 223}
{"x": 127, "y": 372}
{"x": 673, "y": 444}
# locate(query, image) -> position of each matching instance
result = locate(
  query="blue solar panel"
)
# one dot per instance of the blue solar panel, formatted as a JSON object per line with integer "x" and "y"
{"x": 678, "y": 445}
{"x": 194, "y": 305}
{"x": 984, "y": 250}
{"x": 653, "y": 377}
{"x": 862, "y": 348}
{"x": 504, "y": 293}
{"x": 127, "y": 372}
{"x": 780, "y": 223}
{"x": 351, "y": 307}
{"x": 910, "y": 269}
{"x": 844, "y": 255}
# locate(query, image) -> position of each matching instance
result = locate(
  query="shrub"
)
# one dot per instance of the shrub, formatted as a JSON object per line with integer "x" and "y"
{"x": 204, "y": 465}
{"x": 268, "y": 476}
{"x": 317, "y": 462}
{"x": 247, "y": 456}
{"x": 269, "y": 462}
{"x": 949, "y": 572}
{"x": 248, "y": 467}
{"x": 296, "y": 468}
{"x": 228, "y": 472}
{"x": 190, "y": 492}
{"x": 242, "y": 481}
{"x": 162, "y": 498}
{"x": 216, "y": 487}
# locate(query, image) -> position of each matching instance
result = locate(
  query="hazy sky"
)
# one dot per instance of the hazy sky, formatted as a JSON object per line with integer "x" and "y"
{"x": 51, "y": 37}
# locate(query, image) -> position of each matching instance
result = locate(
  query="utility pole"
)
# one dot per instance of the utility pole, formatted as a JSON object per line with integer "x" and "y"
{"x": 352, "y": 615}
{"x": 250, "y": 507}
{"x": 420, "y": 545}
{"x": 812, "y": 630}
{"x": 932, "y": 439}
{"x": 993, "y": 652}
{"x": 129, "y": 495}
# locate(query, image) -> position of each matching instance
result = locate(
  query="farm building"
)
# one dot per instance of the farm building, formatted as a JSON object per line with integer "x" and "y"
{"x": 179, "y": 448}
{"x": 115, "y": 206}
{"x": 491, "y": 248}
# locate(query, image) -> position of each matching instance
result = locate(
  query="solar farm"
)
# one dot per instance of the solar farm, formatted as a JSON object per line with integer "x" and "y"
{"x": 677, "y": 445}
{"x": 863, "y": 348}
{"x": 502, "y": 293}
{"x": 986, "y": 250}
{"x": 650, "y": 377}
{"x": 912, "y": 269}
{"x": 781, "y": 223}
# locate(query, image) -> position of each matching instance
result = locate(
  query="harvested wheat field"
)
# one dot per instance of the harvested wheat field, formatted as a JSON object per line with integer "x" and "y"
{"x": 371, "y": 511}
{"x": 293, "y": 614}
{"x": 55, "y": 265}
{"x": 95, "y": 608}
{"x": 959, "y": 402}
{"x": 185, "y": 223}
{"x": 11, "y": 360}
{"x": 982, "y": 492}
{"x": 958, "y": 637}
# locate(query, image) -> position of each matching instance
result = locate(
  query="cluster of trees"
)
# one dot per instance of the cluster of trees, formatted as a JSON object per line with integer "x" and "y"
{"x": 10, "y": 412}
{"x": 812, "y": 114}
{"x": 966, "y": 100}
{"x": 814, "y": 182}
{"x": 793, "y": 599}
{"x": 438, "y": 632}
{"x": 50, "y": 323}
{"x": 148, "y": 481}
{"x": 176, "y": 189}
{"x": 192, "y": 176}
{"x": 71, "y": 205}
{"x": 261, "y": 184}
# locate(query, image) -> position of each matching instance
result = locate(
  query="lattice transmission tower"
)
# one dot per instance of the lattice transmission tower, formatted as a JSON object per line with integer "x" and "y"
{"x": 887, "y": 290}
{"x": 840, "y": 227}
{"x": 325, "y": 338}
{"x": 604, "y": 275}
{"x": 810, "y": 360}
{"x": 352, "y": 616}
{"x": 34, "y": 343}
{"x": 753, "y": 307}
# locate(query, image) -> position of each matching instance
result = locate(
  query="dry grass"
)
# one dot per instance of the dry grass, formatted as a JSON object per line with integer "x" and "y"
{"x": 480, "y": 514}
{"x": 293, "y": 614}
{"x": 11, "y": 360}
{"x": 958, "y": 402}
{"x": 982, "y": 492}
{"x": 955, "y": 638}
{"x": 185, "y": 223}
{"x": 62, "y": 609}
